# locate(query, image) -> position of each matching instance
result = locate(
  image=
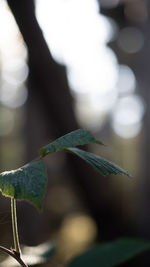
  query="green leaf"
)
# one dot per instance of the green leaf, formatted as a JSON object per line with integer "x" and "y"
{"x": 102, "y": 165}
{"x": 75, "y": 138}
{"x": 110, "y": 254}
{"x": 32, "y": 255}
{"x": 26, "y": 183}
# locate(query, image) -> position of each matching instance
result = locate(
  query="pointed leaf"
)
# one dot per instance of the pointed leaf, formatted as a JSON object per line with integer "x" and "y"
{"x": 102, "y": 165}
{"x": 25, "y": 183}
{"x": 75, "y": 138}
{"x": 110, "y": 254}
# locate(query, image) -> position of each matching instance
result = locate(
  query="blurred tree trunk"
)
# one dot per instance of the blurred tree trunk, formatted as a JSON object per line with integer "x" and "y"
{"x": 50, "y": 113}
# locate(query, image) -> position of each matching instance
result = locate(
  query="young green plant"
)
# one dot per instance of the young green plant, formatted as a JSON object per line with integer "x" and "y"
{"x": 29, "y": 181}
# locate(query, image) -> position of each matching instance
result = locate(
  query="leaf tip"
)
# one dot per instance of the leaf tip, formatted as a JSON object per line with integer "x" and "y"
{"x": 99, "y": 143}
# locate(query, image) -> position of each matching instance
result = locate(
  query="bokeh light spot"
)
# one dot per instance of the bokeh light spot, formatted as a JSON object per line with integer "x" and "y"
{"x": 78, "y": 229}
{"x": 126, "y": 80}
{"x": 81, "y": 44}
{"x": 13, "y": 97}
{"x": 128, "y": 115}
{"x": 14, "y": 71}
{"x": 131, "y": 40}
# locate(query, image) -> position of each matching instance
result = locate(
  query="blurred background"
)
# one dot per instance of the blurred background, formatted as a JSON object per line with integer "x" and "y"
{"x": 64, "y": 65}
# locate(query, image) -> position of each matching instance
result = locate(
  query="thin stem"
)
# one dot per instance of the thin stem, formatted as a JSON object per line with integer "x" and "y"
{"x": 14, "y": 226}
{"x": 16, "y": 256}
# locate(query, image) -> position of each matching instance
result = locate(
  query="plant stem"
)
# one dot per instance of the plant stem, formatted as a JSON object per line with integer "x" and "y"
{"x": 14, "y": 226}
{"x": 14, "y": 255}
{"x": 16, "y": 252}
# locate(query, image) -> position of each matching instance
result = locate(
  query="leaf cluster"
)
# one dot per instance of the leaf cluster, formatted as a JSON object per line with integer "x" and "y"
{"x": 29, "y": 182}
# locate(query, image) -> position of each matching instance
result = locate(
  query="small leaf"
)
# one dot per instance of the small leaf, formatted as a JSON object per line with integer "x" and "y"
{"x": 32, "y": 255}
{"x": 26, "y": 183}
{"x": 110, "y": 254}
{"x": 102, "y": 165}
{"x": 75, "y": 138}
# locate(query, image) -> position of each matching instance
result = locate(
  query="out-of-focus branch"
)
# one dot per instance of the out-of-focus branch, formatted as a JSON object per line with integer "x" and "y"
{"x": 49, "y": 78}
